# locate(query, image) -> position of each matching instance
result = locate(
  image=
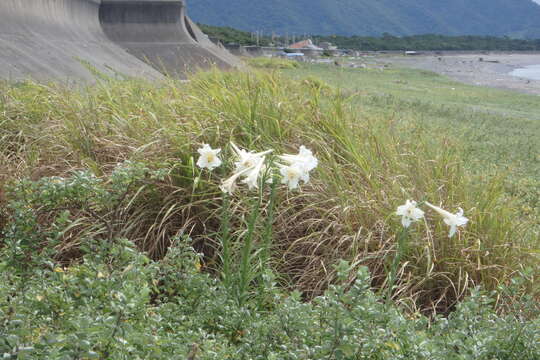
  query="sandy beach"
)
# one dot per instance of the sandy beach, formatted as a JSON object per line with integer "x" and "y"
{"x": 492, "y": 70}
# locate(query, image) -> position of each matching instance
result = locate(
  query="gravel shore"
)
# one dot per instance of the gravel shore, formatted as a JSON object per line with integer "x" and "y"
{"x": 492, "y": 70}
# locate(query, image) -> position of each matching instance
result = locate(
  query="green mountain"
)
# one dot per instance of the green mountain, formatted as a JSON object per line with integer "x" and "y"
{"x": 515, "y": 18}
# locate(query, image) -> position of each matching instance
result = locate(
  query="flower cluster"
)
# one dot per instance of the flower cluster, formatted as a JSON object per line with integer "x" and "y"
{"x": 410, "y": 213}
{"x": 249, "y": 166}
{"x": 297, "y": 167}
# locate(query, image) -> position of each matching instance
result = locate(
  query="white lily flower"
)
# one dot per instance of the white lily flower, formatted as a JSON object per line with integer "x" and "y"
{"x": 209, "y": 157}
{"x": 247, "y": 159}
{"x": 252, "y": 174}
{"x": 292, "y": 174}
{"x": 229, "y": 185}
{"x": 298, "y": 167}
{"x": 452, "y": 220}
{"x": 304, "y": 157}
{"x": 409, "y": 213}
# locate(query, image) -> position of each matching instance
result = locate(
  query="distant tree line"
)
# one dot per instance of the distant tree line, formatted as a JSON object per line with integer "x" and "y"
{"x": 430, "y": 42}
{"x": 228, "y": 35}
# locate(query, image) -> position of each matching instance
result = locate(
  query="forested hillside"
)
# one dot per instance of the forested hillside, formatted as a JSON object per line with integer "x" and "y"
{"x": 516, "y": 18}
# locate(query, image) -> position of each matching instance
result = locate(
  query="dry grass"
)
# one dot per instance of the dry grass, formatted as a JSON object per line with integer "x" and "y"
{"x": 369, "y": 164}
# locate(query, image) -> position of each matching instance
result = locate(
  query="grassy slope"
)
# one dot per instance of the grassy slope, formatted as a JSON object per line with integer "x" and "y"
{"x": 379, "y": 143}
{"x": 499, "y": 130}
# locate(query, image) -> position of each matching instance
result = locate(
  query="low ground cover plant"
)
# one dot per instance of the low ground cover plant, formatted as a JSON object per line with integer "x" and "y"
{"x": 116, "y": 303}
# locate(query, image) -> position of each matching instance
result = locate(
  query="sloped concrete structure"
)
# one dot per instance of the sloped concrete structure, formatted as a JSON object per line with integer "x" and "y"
{"x": 69, "y": 40}
{"x": 160, "y": 33}
{"x": 60, "y": 40}
{"x": 219, "y": 51}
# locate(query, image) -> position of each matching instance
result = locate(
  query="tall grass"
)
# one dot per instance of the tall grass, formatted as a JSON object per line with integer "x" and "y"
{"x": 370, "y": 162}
{"x": 498, "y": 130}
{"x": 272, "y": 63}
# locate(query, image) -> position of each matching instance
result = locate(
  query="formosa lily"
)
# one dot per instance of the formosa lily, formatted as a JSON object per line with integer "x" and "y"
{"x": 229, "y": 185}
{"x": 304, "y": 157}
{"x": 292, "y": 174}
{"x": 252, "y": 174}
{"x": 247, "y": 159}
{"x": 409, "y": 213}
{"x": 209, "y": 157}
{"x": 248, "y": 165}
{"x": 452, "y": 220}
{"x": 298, "y": 167}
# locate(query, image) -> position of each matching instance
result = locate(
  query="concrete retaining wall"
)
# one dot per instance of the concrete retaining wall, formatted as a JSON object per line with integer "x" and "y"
{"x": 159, "y": 33}
{"x": 68, "y": 40}
{"x": 58, "y": 39}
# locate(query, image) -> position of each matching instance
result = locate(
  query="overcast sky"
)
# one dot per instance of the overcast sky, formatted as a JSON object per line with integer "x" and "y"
{"x": 537, "y": 1}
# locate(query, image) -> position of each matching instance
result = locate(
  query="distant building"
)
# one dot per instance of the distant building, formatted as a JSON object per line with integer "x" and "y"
{"x": 327, "y": 46}
{"x": 305, "y": 44}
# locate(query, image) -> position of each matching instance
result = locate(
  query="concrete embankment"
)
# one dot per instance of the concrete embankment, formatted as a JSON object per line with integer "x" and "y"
{"x": 74, "y": 40}
{"x": 160, "y": 33}
{"x": 61, "y": 40}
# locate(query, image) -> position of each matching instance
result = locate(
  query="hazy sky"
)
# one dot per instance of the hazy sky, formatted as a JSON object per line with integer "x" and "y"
{"x": 537, "y": 1}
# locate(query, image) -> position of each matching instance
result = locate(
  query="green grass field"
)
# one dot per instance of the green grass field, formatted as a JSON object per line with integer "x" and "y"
{"x": 115, "y": 244}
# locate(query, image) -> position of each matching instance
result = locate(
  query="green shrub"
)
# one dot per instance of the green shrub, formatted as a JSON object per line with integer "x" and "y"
{"x": 118, "y": 304}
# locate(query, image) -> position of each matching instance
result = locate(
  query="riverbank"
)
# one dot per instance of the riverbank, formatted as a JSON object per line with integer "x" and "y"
{"x": 491, "y": 70}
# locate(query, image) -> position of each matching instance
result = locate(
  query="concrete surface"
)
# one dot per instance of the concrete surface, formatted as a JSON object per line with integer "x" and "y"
{"x": 160, "y": 33}
{"x": 71, "y": 40}
{"x": 61, "y": 40}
